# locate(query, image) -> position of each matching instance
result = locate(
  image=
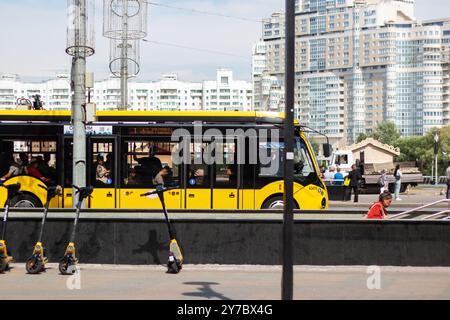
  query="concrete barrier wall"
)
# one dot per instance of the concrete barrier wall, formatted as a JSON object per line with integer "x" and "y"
{"x": 246, "y": 241}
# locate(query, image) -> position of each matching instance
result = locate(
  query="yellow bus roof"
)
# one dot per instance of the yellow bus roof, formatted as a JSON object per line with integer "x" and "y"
{"x": 123, "y": 116}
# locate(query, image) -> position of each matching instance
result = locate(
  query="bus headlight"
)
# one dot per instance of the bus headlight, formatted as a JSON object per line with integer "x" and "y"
{"x": 324, "y": 203}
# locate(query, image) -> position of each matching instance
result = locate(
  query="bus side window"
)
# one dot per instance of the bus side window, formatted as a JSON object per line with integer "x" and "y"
{"x": 226, "y": 168}
{"x": 272, "y": 165}
{"x": 198, "y": 172}
{"x": 149, "y": 162}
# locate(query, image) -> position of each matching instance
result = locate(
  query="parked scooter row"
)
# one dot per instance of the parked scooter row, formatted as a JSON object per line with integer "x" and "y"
{"x": 37, "y": 261}
{"x": 5, "y": 255}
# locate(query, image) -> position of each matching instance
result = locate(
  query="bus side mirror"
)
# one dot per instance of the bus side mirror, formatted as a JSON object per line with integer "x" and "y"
{"x": 327, "y": 150}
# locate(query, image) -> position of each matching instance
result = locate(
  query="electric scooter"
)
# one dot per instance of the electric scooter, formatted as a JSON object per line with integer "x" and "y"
{"x": 36, "y": 263}
{"x": 5, "y": 255}
{"x": 175, "y": 262}
{"x": 67, "y": 263}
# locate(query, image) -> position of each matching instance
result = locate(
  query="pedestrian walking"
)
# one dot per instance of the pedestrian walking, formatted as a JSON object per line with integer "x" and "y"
{"x": 447, "y": 173}
{"x": 354, "y": 176}
{"x": 398, "y": 182}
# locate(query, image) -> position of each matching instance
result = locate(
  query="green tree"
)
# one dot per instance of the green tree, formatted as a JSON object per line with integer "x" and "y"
{"x": 361, "y": 137}
{"x": 387, "y": 133}
{"x": 421, "y": 149}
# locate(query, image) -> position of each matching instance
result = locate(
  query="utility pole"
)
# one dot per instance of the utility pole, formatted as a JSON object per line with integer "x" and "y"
{"x": 79, "y": 48}
{"x": 288, "y": 218}
{"x": 436, "y": 153}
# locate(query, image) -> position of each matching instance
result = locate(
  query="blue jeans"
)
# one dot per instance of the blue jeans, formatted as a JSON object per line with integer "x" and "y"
{"x": 448, "y": 189}
{"x": 398, "y": 185}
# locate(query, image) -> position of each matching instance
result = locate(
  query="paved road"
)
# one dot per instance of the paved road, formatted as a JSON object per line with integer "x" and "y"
{"x": 226, "y": 282}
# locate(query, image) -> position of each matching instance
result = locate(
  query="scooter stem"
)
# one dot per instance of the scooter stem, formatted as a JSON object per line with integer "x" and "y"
{"x": 5, "y": 219}
{"x": 77, "y": 216}
{"x": 43, "y": 221}
{"x": 163, "y": 203}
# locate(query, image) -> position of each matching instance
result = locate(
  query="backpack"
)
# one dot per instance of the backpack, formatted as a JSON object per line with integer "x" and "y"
{"x": 380, "y": 182}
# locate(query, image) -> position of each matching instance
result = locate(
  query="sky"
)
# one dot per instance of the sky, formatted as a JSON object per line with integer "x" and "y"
{"x": 33, "y": 37}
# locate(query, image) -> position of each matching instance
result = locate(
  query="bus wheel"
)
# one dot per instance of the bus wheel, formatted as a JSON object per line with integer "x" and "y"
{"x": 275, "y": 203}
{"x": 25, "y": 201}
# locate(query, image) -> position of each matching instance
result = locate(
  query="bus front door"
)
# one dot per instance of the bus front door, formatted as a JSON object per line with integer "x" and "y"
{"x": 102, "y": 172}
{"x": 226, "y": 176}
{"x": 198, "y": 187}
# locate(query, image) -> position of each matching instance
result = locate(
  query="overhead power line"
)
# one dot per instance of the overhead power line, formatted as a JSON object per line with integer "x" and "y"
{"x": 195, "y": 49}
{"x": 209, "y": 13}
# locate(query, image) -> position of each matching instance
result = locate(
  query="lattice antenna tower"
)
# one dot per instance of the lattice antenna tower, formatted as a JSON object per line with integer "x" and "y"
{"x": 125, "y": 24}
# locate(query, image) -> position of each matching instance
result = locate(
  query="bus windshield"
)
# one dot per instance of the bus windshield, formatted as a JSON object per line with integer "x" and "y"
{"x": 303, "y": 162}
{"x": 304, "y": 170}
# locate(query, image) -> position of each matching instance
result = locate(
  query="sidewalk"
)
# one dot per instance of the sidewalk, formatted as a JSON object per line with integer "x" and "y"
{"x": 213, "y": 282}
{"x": 417, "y": 197}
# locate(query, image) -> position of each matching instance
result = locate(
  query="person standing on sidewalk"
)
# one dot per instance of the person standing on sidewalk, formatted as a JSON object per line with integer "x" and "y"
{"x": 383, "y": 182}
{"x": 447, "y": 173}
{"x": 355, "y": 177}
{"x": 398, "y": 182}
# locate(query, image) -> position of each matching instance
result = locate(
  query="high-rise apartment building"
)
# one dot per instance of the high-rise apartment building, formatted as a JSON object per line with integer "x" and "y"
{"x": 268, "y": 94}
{"x": 361, "y": 62}
{"x": 222, "y": 94}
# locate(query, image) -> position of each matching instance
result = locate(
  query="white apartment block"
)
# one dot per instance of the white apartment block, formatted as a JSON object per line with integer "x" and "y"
{"x": 222, "y": 94}
{"x": 55, "y": 92}
{"x": 268, "y": 92}
{"x": 359, "y": 63}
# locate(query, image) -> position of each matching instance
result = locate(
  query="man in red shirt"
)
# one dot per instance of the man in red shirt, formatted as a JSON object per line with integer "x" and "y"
{"x": 378, "y": 209}
{"x": 33, "y": 170}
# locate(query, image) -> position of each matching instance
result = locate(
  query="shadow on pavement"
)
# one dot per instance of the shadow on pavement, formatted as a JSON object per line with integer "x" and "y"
{"x": 205, "y": 291}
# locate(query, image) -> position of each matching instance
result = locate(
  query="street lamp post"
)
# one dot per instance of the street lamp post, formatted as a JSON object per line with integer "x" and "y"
{"x": 288, "y": 217}
{"x": 436, "y": 152}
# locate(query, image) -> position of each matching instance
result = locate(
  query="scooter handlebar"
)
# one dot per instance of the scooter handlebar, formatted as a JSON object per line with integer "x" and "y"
{"x": 84, "y": 191}
{"x": 13, "y": 189}
{"x": 11, "y": 186}
{"x": 159, "y": 189}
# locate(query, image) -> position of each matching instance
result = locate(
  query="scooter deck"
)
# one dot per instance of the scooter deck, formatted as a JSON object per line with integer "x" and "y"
{"x": 176, "y": 251}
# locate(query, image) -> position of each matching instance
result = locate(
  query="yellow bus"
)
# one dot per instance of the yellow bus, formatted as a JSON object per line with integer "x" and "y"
{"x": 125, "y": 147}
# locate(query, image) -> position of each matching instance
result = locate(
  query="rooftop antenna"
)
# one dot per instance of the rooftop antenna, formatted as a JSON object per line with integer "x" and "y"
{"x": 125, "y": 24}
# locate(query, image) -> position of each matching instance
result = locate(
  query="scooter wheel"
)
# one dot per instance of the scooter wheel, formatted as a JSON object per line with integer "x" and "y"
{"x": 34, "y": 266}
{"x": 65, "y": 267}
{"x": 3, "y": 265}
{"x": 172, "y": 267}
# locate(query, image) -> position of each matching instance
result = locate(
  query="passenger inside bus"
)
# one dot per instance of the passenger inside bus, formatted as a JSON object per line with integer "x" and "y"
{"x": 197, "y": 175}
{"x": 102, "y": 174}
{"x": 164, "y": 177}
{"x": 132, "y": 179}
{"x": 33, "y": 170}
{"x": 13, "y": 167}
{"x": 23, "y": 161}
{"x": 232, "y": 174}
{"x": 150, "y": 165}
{"x": 45, "y": 168}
